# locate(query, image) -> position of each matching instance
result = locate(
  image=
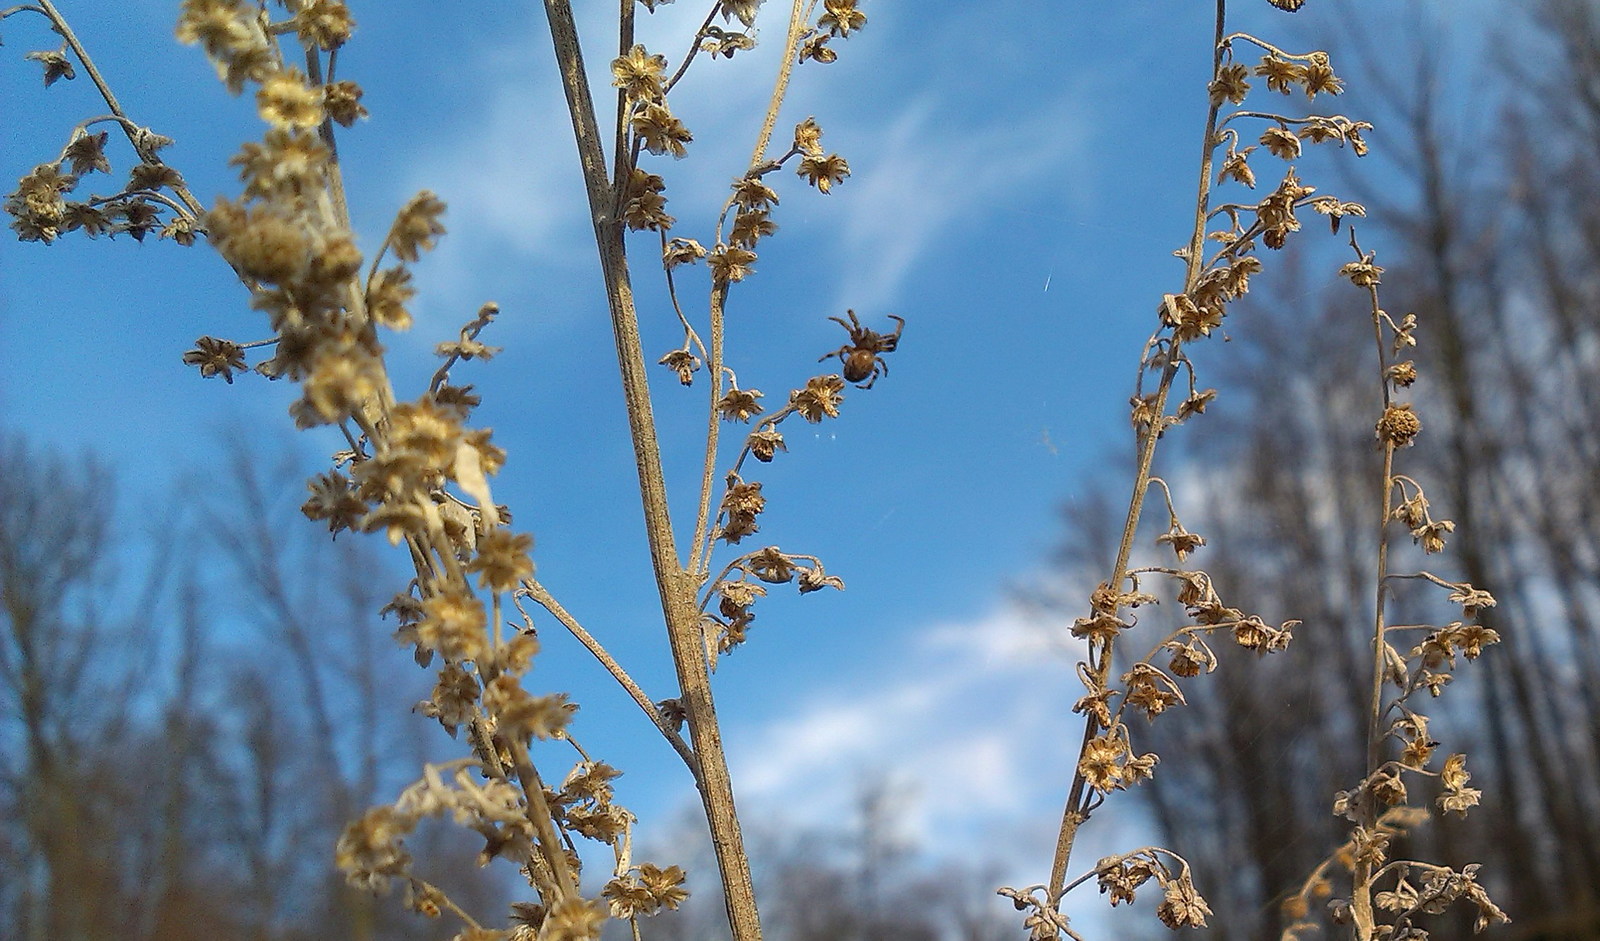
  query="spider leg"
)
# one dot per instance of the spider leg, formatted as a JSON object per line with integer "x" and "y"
{"x": 838, "y": 352}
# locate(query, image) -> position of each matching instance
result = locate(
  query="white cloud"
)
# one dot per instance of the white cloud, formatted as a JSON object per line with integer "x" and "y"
{"x": 924, "y": 177}
{"x": 962, "y": 715}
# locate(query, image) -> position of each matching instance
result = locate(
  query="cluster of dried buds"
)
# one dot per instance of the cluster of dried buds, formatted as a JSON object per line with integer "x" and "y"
{"x": 1215, "y": 278}
{"x": 153, "y": 198}
{"x": 1388, "y": 896}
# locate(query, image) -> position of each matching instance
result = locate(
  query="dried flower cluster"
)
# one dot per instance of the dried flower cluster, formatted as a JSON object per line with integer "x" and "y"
{"x": 1237, "y": 138}
{"x": 1387, "y": 897}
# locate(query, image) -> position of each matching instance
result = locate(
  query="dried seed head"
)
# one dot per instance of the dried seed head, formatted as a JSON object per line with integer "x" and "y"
{"x": 1399, "y": 425}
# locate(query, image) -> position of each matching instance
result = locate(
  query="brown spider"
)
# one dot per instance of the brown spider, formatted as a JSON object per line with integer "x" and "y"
{"x": 860, "y": 355}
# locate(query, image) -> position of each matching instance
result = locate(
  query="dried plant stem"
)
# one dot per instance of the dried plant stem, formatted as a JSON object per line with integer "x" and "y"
{"x": 780, "y": 90}
{"x": 1362, "y": 875}
{"x": 700, "y": 559}
{"x": 59, "y": 24}
{"x": 542, "y": 595}
{"x": 675, "y": 585}
{"x": 1078, "y": 803}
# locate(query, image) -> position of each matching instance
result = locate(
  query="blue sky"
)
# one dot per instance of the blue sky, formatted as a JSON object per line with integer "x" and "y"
{"x": 1021, "y": 172}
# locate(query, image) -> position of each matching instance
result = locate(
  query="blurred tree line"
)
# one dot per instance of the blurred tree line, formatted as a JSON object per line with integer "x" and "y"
{"x": 1495, "y": 233}
{"x": 181, "y": 742}
{"x": 189, "y": 718}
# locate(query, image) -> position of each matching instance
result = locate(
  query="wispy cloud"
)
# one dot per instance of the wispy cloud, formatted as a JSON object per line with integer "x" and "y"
{"x": 963, "y": 714}
{"x": 924, "y": 180}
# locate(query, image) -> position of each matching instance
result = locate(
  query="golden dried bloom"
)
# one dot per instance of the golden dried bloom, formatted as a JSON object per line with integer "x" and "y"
{"x": 286, "y": 101}
{"x": 750, "y": 193}
{"x": 1363, "y": 274}
{"x": 1402, "y": 374}
{"x": 516, "y": 655}
{"x": 333, "y": 498}
{"x": 417, "y": 226}
{"x": 648, "y": 210}
{"x": 1399, "y": 425}
{"x": 216, "y": 358}
{"x": 1182, "y": 907}
{"x": 1143, "y": 414}
{"x": 1100, "y": 628}
{"x": 454, "y": 698}
{"x": 228, "y": 31}
{"x": 56, "y": 65}
{"x": 1188, "y": 660}
{"x": 1196, "y": 403}
{"x": 336, "y": 384}
{"x": 1280, "y": 73}
{"x": 1413, "y": 511}
{"x": 750, "y": 227}
{"x": 574, "y": 919}
{"x": 1417, "y": 752}
{"x": 660, "y": 132}
{"x": 1100, "y": 764}
{"x": 285, "y": 163}
{"x": 453, "y": 623}
{"x": 86, "y": 152}
{"x": 1472, "y": 600}
{"x": 458, "y": 400}
{"x": 738, "y": 595}
{"x": 1191, "y": 321}
{"x": 740, "y": 404}
{"x": 730, "y": 263}
{"x": 541, "y": 717}
{"x": 745, "y": 10}
{"x": 370, "y": 850}
{"x": 1231, "y": 84}
{"x": 1236, "y": 166}
{"x": 819, "y": 398}
{"x": 683, "y": 362}
{"x": 153, "y": 176}
{"x": 639, "y": 73}
{"x": 725, "y": 42}
{"x": 741, "y": 504}
{"x": 824, "y": 172}
{"x": 841, "y": 17}
{"x": 1472, "y": 638}
{"x": 1276, "y": 212}
{"x": 342, "y": 101}
{"x": 425, "y": 429}
{"x": 261, "y": 242}
{"x": 325, "y": 23}
{"x": 1431, "y": 535}
{"x": 815, "y": 49}
{"x": 808, "y": 137}
{"x": 815, "y": 579}
{"x": 502, "y": 561}
{"x": 664, "y": 885}
{"x": 1182, "y": 541}
{"x": 1388, "y": 788}
{"x": 387, "y": 295}
{"x": 1281, "y": 142}
{"x": 41, "y": 213}
{"x": 765, "y": 443}
{"x": 398, "y": 519}
{"x": 1146, "y": 690}
{"x": 771, "y": 566}
{"x": 682, "y": 252}
{"x": 1319, "y": 78}
{"x": 1251, "y": 633}
{"x": 628, "y": 898}
{"x": 491, "y": 457}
